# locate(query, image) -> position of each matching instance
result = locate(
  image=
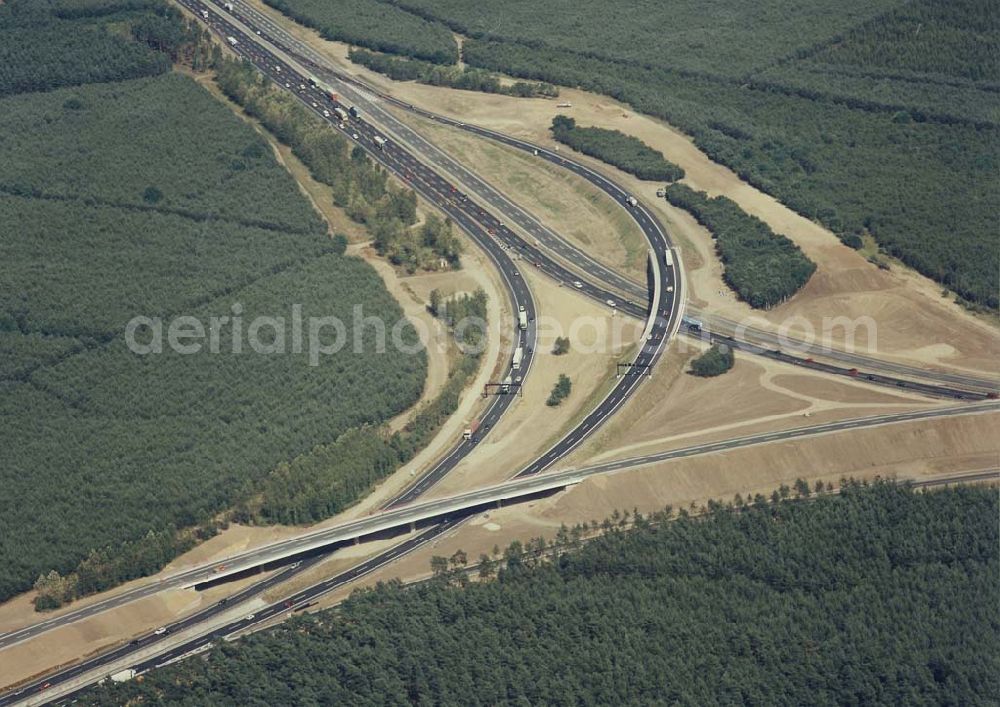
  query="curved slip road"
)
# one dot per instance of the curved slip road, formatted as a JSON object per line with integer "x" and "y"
{"x": 476, "y": 499}
{"x": 765, "y": 340}
{"x": 437, "y": 190}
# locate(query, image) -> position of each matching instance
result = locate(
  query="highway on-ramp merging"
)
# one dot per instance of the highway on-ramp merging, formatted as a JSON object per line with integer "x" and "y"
{"x": 457, "y": 206}
{"x": 456, "y": 507}
{"x": 740, "y": 335}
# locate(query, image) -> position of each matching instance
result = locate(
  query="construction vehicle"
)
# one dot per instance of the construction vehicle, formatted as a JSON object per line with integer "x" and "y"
{"x": 522, "y": 317}
{"x": 515, "y": 363}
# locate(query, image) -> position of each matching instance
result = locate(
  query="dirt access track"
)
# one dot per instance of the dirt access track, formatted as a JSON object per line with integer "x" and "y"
{"x": 907, "y": 451}
{"x": 912, "y": 322}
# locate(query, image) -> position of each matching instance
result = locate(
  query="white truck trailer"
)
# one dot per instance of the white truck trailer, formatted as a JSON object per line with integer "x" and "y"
{"x": 522, "y": 317}
{"x": 515, "y": 363}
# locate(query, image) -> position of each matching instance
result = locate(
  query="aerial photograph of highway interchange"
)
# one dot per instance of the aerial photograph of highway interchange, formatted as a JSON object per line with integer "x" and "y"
{"x": 437, "y": 352}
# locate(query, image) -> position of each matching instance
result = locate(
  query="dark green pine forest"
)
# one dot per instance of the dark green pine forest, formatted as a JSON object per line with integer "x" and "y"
{"x": 126, "y": 189}
{"x": 877, "y": 117}
{"x": 875, "y": 595}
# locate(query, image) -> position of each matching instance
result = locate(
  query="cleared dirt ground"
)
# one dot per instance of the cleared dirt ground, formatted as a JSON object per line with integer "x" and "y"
{"x": 915, "y": 324}
{"x": 915, "y": 450}
{"x": 530, "y": 426}
{"x": 585, "y": 216}
{"x": 675, "y": 409}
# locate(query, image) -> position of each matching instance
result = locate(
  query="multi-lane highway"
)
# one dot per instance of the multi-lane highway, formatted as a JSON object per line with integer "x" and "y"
{"x": 497, "y": 239}
{"x": 484, "y": 229}
{"x": 461, "y": 505}
{"x": 757, "y": 341}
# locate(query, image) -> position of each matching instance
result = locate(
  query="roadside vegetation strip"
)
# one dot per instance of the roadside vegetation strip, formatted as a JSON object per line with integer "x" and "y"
{"x": 763, "y": 267}
{"x": 359, "y": 185}
{"x": 625, "y": 152}
{"x": 673, "y": 575}
{"x": 843, "y": 116}
{"x": 111, "y": 462}
{"x": 465, "y": 78}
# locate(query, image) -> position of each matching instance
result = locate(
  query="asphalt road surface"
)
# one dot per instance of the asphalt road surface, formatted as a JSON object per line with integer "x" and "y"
{"x": 369, "y": 96}
{"x": 475, "y": 499}
{"x": 480, "y": 226}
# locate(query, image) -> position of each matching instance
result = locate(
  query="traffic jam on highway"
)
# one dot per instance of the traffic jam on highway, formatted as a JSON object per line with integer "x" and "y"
{"x": 497, "y": 240}
{"x": 970, "y": 389}
{"x": 664, "y": 317}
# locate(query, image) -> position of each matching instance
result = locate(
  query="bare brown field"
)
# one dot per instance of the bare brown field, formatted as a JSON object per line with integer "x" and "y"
{"x": 906, "y": 451}
{"x": 586, "y": 217}
{"x": 675, "y": 409}
{"x": 915, "y": 324}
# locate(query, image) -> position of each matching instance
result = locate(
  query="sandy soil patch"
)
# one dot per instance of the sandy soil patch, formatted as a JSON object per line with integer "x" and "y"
{"x": 915, "y": 324}
{"x": 675, "y": 409}
{"x": 582, "y": 214}
{"x": 906, "y": 450}
{"x": 530, "y": 426}
{"x": 914, "y": 450}
{"x": 414, "y": 307}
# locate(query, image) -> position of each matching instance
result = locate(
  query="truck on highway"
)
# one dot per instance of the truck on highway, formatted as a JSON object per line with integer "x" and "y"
{"x": 692, "y": 324}
{"x": 231, "y": 40}
{"x": 123, "y": 675}
{"x": 312, "y": 80}
{"x": 228, "y": 6}
{"x": 505, "y": 384}
{"x": 332, "y": 95}
{"x": 380, "y": 142}
{"x": 340, "y": 113}
{"x": 515, "y": 363}
{"x": 631, "y": 200}
{"x": 668, "y": 258}
{"x": 354, "y": 113}
{"x": 522, "y": 317}
{"x": 470, "y": 430}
